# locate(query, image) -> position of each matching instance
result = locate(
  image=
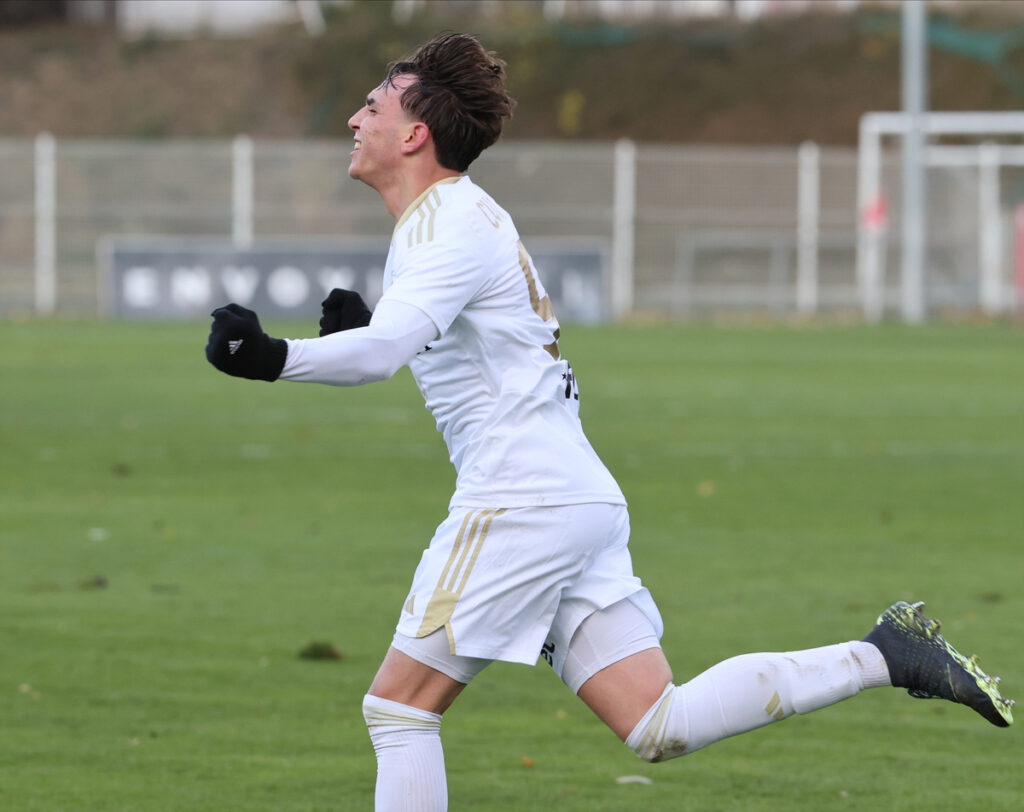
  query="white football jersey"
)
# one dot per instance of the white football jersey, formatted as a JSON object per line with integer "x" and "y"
{"x": 504, "y": 400}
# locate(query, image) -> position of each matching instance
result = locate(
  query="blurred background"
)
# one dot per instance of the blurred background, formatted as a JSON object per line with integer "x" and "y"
{"x": 669, "y": 159}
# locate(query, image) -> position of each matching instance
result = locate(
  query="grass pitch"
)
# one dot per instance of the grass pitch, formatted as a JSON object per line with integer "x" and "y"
{"x": 171, "y": 538}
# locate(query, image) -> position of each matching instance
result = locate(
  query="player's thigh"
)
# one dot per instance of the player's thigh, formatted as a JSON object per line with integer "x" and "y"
{"x": 403, "y": 679}
{"x": 624, "y": 691}
{"x": 615, "y": 663}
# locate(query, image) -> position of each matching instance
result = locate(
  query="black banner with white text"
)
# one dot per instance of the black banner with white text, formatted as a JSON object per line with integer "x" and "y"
{"x": 180, "y": 278}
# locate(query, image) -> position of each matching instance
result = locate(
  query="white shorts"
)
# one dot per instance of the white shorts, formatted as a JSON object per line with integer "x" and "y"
{"x": 515, "y": 584}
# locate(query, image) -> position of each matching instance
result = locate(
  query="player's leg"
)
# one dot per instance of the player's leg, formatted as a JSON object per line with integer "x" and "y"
{"x": 734, "y": 696}
{"x": 752, "y": 690}
{"x": 403, "y": 710}
{"x": 604, "y": 644}
{"x": 621, "y": 644}
{"x": 401, "y": 678}
{"x": 487, "y": 586}
{"x": 622, "y": 693}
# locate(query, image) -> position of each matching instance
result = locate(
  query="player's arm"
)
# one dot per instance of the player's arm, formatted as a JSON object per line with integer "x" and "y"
{"x": 396, "y": 332}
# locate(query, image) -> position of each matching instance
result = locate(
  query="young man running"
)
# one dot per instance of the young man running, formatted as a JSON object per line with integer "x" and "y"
{"x": 533, "y": 557}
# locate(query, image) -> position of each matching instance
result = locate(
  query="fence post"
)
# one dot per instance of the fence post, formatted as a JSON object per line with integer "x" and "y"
{"x": 46, "y": 224}
{"x": 1018, "y": 245}
{"x": 623, "y": 227}
{"x": 990, "y": 286}
{"x": 242, "y": 191}
{"x": 914, "y": 205}
{"x": 872, "y": 220}
{"x": 808, "y": 207}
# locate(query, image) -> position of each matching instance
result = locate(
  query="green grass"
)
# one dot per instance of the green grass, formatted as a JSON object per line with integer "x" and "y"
{"x": 170, "y": 538}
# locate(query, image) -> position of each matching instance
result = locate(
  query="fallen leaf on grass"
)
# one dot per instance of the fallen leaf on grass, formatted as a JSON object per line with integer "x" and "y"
{"x": 321, "y": 651}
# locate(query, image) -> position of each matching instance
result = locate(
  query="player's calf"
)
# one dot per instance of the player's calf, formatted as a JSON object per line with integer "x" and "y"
{"x": 747, "y": 692}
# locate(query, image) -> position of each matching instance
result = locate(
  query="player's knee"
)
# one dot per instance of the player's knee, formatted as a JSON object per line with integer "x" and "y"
{"x": 656, "y": 736}
{"x": 672, "y": 749}
{"x": 662, "y": 749}
{"x": 384, "y": 717}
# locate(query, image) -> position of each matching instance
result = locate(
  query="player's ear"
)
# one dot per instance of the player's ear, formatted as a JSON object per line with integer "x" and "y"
{"x": 416, "y": 136}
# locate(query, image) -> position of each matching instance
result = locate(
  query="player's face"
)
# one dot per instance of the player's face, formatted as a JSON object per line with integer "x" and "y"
{"x": 380, "y": 127}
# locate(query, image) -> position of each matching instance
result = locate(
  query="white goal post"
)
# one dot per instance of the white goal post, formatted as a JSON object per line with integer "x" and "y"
{"x": 986, "y": 155}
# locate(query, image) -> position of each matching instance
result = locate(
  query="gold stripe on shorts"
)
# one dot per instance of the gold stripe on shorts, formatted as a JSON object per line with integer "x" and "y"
{"x": 455, "y": 575}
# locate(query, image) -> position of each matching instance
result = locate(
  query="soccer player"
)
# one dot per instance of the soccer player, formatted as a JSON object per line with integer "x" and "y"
{"x": 533, "y": 558}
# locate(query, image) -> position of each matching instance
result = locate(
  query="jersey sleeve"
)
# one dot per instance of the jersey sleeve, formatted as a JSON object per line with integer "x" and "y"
{"x": 362, "y": 355}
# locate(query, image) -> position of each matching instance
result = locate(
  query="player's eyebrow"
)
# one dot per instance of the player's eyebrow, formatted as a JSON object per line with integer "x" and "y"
{"x": 370, "y": 101}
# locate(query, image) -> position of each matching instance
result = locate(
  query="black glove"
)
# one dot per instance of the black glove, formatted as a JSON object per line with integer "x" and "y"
{"x": 343, "y": 310}
{"x": 239, "y": 347}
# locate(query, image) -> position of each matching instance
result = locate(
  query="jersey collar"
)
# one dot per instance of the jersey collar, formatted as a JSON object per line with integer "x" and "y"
{"x": 415, "y": 204}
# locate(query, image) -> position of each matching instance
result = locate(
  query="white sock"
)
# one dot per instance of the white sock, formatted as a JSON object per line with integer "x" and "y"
{"x": 410, "y": 761}
{"x": 752, "y": 690}
{"x": 874, "y": 673}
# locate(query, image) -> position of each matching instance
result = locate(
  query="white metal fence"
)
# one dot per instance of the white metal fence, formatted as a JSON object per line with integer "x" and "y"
{"x": 692, "y": 231}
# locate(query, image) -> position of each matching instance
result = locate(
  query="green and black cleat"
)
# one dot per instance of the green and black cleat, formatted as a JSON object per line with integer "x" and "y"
{"x": 922, "y": 661}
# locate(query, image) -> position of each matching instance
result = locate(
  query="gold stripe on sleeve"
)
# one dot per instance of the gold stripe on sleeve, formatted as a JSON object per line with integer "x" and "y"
{"x": 427, "y": 211}
{"x": 433, "y": 203}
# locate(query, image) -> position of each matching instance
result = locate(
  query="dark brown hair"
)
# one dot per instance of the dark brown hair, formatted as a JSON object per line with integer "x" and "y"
{"x": 459, "y": 94}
